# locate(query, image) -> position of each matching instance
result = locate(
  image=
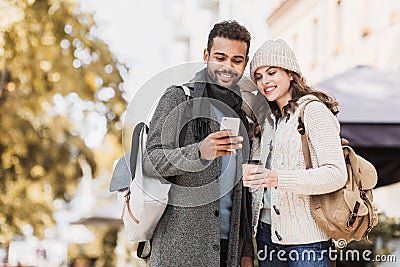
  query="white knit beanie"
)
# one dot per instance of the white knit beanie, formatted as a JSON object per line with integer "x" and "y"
{"x": 274, "y": 53}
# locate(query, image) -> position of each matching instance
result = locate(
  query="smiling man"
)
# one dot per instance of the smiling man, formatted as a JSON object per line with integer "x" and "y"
{"x": 226, "y": 60}
{"x": 207, "y": 224}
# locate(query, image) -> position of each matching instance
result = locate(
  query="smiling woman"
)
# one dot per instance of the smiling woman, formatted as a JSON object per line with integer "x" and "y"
{"x": 274, "y": 82}
{"x": 281, "y": 195}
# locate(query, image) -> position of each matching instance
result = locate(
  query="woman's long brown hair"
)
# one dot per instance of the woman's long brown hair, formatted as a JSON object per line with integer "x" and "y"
{"x": 298, "y": 88}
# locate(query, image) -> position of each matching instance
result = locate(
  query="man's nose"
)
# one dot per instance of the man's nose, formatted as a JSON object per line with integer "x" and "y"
{"x": 228, "y": 65}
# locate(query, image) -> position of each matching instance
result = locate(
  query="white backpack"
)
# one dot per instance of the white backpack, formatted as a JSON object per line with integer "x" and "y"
{"x": 143, "y": 198}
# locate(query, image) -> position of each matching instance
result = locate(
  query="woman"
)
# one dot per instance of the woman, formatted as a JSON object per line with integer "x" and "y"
{"x": 286, "y": 232}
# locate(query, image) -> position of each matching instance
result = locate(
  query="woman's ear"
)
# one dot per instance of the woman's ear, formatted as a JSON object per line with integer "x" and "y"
{"x": 291, "y": 77}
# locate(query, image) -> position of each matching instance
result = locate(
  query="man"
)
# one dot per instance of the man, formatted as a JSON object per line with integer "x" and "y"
{"x": 206, "y": 222}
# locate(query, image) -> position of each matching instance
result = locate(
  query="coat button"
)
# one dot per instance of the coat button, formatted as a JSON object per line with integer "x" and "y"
{"x": 216, "y": 212}
{"x": 216, "y": 247}
{"x": 276, "y": 210}
{"x": 278, "y": 236}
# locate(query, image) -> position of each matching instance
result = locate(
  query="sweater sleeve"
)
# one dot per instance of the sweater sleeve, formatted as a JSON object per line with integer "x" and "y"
{"x": 329, "y": 170}
{"x": 163, "y": 155}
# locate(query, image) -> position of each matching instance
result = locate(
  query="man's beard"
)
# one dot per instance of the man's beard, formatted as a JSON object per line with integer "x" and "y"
{"x": 217, "y": 77}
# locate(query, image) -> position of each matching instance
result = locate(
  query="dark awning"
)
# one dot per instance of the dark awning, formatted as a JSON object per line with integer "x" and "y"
{"x": 370, "y": 116}
{"x": 369, "y": 105}
{"x": 366, "y": 95}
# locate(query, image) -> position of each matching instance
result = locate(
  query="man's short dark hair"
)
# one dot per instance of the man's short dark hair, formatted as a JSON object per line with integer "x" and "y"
{"x": 229, "y": 29}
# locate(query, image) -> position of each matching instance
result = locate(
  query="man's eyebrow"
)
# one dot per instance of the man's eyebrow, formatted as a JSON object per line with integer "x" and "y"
{"x": 241, "y": 57}
{"x": 225, "y": 55}
{"x": 220, "y": 54}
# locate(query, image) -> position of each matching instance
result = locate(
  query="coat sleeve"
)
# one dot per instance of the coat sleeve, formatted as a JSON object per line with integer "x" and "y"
{"x": 163, "y": 155}
{"x": 329, "y": 170}
{"x": 248, "y": 249}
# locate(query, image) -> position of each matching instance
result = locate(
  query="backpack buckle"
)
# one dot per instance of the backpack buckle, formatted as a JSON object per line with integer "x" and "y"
{"x": 365, "y": 236}
{"x": 351, "y": 220}
{"x": 353, "y": 215}
{"x": 300, "y": 128}
{"x": 127, "y": 194}
{"x": 362, "y": 194}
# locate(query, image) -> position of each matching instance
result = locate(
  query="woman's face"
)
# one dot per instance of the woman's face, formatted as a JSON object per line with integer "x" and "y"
{"x": 274, "y": 83}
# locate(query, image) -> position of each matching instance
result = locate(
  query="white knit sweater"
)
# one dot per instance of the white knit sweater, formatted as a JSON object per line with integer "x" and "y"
{"x": 295, "y": 224}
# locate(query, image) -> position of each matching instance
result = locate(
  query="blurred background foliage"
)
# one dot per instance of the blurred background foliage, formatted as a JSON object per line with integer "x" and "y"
{"x": 57, "y": 82}
{"x": 61, "y": 88}
{"x": 378, "y": 243}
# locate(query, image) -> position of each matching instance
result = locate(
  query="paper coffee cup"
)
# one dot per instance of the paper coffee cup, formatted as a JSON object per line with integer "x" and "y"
{"x": 250, "y": 164}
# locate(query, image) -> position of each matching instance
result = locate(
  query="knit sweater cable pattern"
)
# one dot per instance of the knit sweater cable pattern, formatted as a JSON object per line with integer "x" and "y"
{"x": 295, "y": 224}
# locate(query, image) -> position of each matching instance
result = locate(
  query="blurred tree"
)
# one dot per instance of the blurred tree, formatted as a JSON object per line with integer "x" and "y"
{"x": 60, "y": 94}
{"x": 108, "y": 258}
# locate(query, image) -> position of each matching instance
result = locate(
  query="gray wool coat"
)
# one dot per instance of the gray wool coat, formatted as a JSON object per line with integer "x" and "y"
{"x": 188, "y": 233}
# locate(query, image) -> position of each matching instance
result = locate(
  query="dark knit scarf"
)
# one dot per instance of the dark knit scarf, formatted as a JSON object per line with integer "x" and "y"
{"x": 229, "y": 102}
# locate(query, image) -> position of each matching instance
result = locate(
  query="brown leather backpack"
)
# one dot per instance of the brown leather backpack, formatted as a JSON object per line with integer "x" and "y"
{"x": 348, "y": 213}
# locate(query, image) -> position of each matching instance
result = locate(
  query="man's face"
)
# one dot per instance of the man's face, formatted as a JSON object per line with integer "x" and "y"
{"x": 226, "y": 61}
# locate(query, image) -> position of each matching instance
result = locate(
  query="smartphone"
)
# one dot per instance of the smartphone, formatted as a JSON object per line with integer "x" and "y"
{"x": 228, "y": 123}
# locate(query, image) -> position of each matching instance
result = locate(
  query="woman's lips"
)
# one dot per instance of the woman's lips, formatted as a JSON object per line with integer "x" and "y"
{"x": 269, "y": 89}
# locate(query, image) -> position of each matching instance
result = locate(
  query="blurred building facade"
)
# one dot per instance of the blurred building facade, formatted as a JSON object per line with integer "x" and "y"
{"x": 192, "y": 20}
{"x": 331, "y": 36}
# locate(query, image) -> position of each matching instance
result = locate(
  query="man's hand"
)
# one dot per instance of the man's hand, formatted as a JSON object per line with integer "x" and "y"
{"x": 246, "y": 261}
{"x": 219, "y": 144}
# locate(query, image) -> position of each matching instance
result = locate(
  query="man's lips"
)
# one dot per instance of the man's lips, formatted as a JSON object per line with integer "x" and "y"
{"x": 226, "y": 75}
{"x": 269, "y": 89}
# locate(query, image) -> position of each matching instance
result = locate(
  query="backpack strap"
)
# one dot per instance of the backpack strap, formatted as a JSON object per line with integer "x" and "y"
{"x": 188, "y": 112}
{"x": 144, "y": 249}
{"x": 137, "y": 133}
{"x": 187, "y": 92}
{"x": 140, "y": 127}
{"x": 302, "y": 130}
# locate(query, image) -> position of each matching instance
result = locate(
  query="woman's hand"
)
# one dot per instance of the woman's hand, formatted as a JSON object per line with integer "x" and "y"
{"x": 260, "y": 177}
{"x": 247, "y": 261}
